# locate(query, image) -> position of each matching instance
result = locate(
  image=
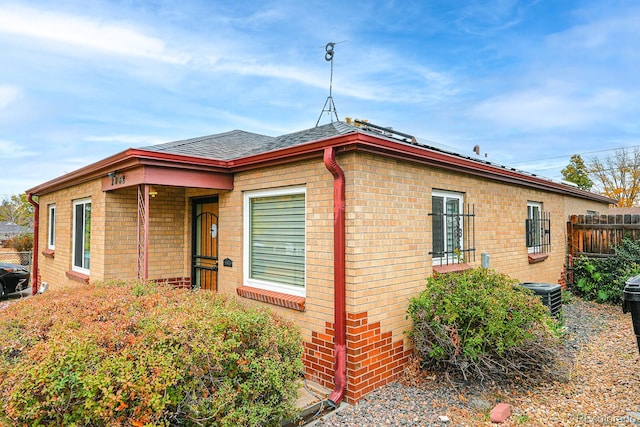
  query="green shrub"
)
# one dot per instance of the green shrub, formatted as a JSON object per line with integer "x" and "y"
{"x": 603, "y": 279}
{"x": 145, "y": 354}
{"x": 478, "y": 323}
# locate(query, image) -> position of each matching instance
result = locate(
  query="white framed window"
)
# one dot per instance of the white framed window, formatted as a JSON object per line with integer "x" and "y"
{"x": 51, "y": 229}
{"x": 275, "y": 240}
{"x": 81, "y": 251}
{"x": 447, "y": 221}
{"x": 537, "y": 228}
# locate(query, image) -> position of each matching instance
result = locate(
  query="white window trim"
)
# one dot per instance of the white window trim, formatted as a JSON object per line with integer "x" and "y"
{"x": 448, "y": 259}
{"x": 74, "y": 267}
{"x": 51, "y": 229}
{"x": 530, "y": 204}
{"x": 263, "y": 284}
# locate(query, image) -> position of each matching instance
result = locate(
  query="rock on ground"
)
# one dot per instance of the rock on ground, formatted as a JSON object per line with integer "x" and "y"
{"x": 602, "y": 388}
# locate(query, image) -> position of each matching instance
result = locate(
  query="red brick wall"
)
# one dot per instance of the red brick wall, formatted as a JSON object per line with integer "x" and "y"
{"x": 373, "y": 358}
{"x": 178, "y": 282}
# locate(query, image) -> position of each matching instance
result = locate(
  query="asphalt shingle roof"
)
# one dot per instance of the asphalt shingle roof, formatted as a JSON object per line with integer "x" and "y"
{"x": 9, "y": 229}
{"x": 238, "y": 143}
{"x": 307, "y": 135}
{"x": 223, "y": 146}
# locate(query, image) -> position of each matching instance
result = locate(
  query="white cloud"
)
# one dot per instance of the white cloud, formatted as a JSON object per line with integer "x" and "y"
{"x": 11, "y": 150}
{"x": 618, "y": 32}
{"x": 8, "y": 95}
{"x": 131, "y": 140}
{"x": 111, "y": 37}
{"x": 547, "y": 108}
{"x": 482, "y": 17}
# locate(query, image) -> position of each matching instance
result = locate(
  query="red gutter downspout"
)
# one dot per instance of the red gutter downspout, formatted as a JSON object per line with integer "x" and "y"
{"x": 339, "y": 299}
{"x": 36, "y": 227}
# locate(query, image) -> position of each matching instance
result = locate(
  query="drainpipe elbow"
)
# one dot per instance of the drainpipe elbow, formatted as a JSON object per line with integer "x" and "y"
{"x": 341, "y": 376}
{"x": 36, "y": 226}
{"x": 339, "y": 286}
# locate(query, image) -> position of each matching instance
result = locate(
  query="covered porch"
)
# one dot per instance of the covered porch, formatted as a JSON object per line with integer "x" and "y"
{"x": 175, "y": 238}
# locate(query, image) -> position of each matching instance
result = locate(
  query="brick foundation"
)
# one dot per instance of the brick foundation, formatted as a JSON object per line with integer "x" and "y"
{"x": 373, "y": 358}
{"x": 566, "y": 276}
{"x": 178, "y": 282}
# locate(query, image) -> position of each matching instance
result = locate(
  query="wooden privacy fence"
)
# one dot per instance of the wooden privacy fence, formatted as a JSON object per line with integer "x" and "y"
{"x": 597, "y": 235}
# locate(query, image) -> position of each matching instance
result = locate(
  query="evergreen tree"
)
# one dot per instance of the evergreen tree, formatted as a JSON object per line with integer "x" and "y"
{"x": 577, "y": 172}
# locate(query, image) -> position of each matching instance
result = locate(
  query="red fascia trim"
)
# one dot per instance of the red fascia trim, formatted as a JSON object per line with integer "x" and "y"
{"x": 155, "y": 175}
{"x": 125, "y": 160}
{"x": 402, "y": 151}
{"x": 460, "y": 164}
{"x": 354, "y": 140}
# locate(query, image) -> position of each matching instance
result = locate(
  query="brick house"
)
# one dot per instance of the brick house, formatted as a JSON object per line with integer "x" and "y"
{"x": 335, "y": 227}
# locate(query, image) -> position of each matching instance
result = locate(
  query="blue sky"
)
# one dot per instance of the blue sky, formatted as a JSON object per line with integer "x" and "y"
{"x": 530, "y": 82}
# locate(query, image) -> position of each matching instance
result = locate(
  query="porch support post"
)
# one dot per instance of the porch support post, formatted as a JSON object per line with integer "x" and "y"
{"x": 143, "y": 232}
{"x": 145, "y": 275}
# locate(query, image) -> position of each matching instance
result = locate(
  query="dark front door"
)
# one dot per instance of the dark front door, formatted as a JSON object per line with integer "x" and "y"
{"x": 204, "y": 271}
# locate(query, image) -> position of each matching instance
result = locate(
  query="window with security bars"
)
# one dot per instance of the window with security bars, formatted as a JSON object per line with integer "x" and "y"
{"x": 537, "y": 229}
{"x": 275, "y": 240}
{"x": 453, "y": 229}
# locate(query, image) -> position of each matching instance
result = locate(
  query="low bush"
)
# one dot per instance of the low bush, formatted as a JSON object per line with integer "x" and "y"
{"x": 20, "y": 243}
{"x": 144, "y": 354}
{"x": 603, "y": 279}
{"x": 480, "y": 324}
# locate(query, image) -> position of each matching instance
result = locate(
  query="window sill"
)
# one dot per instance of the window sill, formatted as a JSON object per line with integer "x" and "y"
{"x": 534, "y": 258}
{"x": 276, "y": 298}
{"x": 78, "y": 277}
{"x": 49, "y": 253}
{"x": 451, "y": 268}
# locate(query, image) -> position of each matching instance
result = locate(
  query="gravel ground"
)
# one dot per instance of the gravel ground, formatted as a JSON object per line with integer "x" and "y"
{"x": 601, "y": 389}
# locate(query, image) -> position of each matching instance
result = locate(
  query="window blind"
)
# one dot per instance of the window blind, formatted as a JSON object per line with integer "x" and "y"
{"x": 278, "y": 239}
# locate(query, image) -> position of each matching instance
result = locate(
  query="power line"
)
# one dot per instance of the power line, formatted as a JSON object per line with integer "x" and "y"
{"x": 568, "y": 155}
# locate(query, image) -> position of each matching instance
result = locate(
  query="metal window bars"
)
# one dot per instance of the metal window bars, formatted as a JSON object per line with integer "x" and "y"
{"x": 459, "y": 245}
{"x": 538, "y": 233}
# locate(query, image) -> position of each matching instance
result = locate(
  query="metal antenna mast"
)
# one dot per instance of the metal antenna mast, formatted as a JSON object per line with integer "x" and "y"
{"x": 329, "y": 106}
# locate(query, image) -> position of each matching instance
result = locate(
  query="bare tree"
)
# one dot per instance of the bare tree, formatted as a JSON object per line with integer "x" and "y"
{"x": 618, "y": 175}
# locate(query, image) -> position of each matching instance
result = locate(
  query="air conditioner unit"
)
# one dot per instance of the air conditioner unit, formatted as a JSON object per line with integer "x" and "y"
{"x": 550, "y": 294}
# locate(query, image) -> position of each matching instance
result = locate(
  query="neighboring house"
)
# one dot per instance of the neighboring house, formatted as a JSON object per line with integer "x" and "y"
{"x": 633, "y": 210}
{"x": 9, "y": 230}
{"x": 335, "y": 227}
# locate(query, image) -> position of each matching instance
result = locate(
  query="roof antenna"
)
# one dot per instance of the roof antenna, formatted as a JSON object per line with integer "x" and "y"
{"x": 329, "y": 106}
